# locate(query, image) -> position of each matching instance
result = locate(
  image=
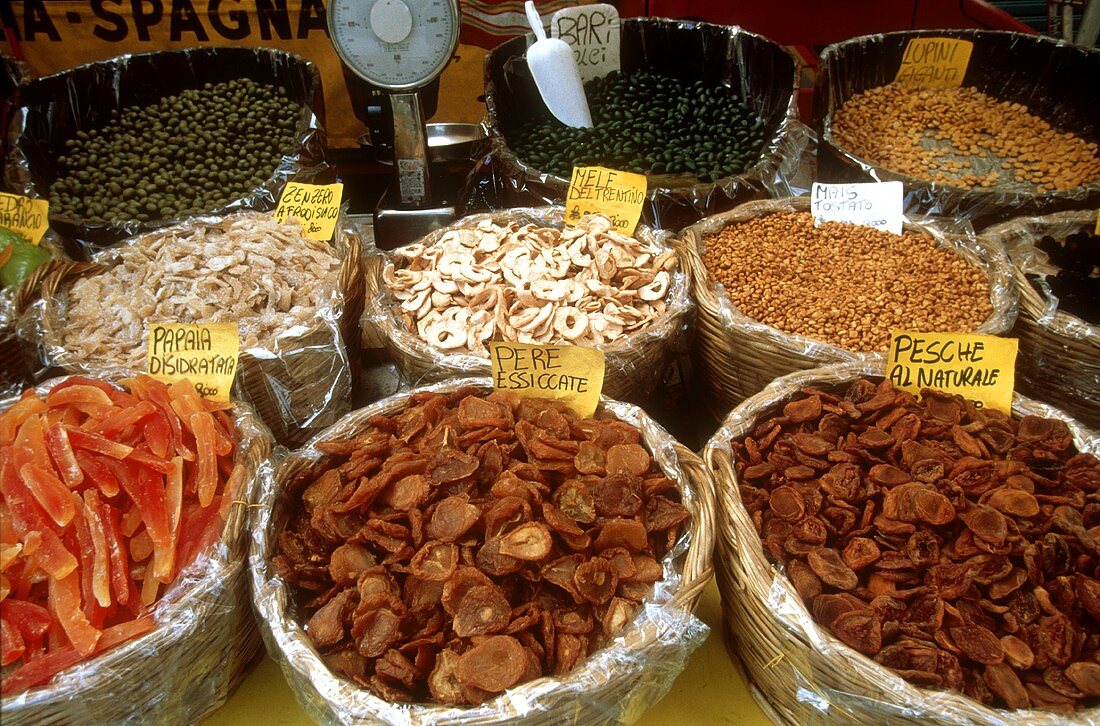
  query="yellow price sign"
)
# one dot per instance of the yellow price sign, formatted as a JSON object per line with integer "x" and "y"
{"x": 29, "y": 217}
{"x": 981, "y": 368}
{"x": 566, "y": 373}
{"x": 618, "y": 195}
{"x": 203, "y": 353}
{"x": 316, "y": 206}
{"x": 935, "y": 62}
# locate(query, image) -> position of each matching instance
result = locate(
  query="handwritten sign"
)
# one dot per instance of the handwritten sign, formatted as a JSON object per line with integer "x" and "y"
{"x": 562, "y": 372}
{"x": 618, "y": 195}
{"x": 981, "y": 368}
{"x": 593, "y": 33}
{"x": 935, "y": 62}
{"x": 29, "y": 217}
{"x": 873, "y": 204}
{"x": 316, "y": 206}
{"x": 204, "y": 353}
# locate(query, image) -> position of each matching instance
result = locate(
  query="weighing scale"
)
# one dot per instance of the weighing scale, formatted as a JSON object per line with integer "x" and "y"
{"x": 400, "y": 46}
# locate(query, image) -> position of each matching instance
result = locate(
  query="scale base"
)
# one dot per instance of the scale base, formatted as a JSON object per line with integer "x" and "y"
{"x": 395, "y": 225}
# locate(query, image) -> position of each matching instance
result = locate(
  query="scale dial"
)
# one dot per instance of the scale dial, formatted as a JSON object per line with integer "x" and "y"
{"x": 397, "y": 45}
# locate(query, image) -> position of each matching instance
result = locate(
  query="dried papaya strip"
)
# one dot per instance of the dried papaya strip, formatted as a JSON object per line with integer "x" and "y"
{"x": 64, "y": 599}
{"x": 79, "y": 539}
{"x": 101, "y": 572}
{"x": 32, "y": 620}
{"x": 173, "y": 500}
{"x": 99, "y": 473}
{"x": 11, "y": 642}
{"x": 88, "y": 441}
{"x": 116, "y": 548}
{"x": 206, "y": 482}
{"x": 117, "y": 396}
{"x": 146, "y": 488}
{"x": 77, "y": 393}
{"x": 26, "y": 518}
{"x": 147, "y": 458}
{"x": 30, "y": 445}
{"x": 13, "y": 418}
{"x": 157, "y": 434}
{"x": 61, "y": 451}
{"x": 123, "y": 418}
{"x": 156, "y": 392}
{"x": 50, "y": 492}
{"x": 41, "y": 669}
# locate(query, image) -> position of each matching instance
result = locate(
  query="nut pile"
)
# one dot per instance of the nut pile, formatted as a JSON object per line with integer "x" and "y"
{"x": 961, "y": 137}
{"x": 248, "y": 268}
{"x": 588, "y": 285}
{"x": 953, "y": 544}
{"x": 473, "y": 542}
{"x": 845, "y": 284}
{"x": 185, "y": 154}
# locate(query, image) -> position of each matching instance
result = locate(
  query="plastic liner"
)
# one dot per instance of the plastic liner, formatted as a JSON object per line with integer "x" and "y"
{"x": 613, "y": 685}
{"x": 1056, "y": 80}
{"x": 636, "y": 363}
{"x": 1059, "y": 357}
{"x": 300, "y": 381}
{"x": 805, "y": 673}
{"x": 54, "y": 108}
{"x": 766, "y": 74}
{"x": 13, "y": 74}
{"x": 205, "y": 639}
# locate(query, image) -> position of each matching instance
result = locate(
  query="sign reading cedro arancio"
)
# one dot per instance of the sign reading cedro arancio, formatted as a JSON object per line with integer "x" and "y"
{"x": 29, "y": 217}
{"x": 980, "y": 368}
{"x": 618, "y": 195}
{"x": 204, "y": 353}
{"x": 566, "y": 373}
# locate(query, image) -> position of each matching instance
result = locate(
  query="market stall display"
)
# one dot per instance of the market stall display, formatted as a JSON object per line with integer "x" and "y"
{"x": 221, "y": 130}
{"x": 1018, "y": 137}
{"x": 288, "y": 294}
{"x": 683, "y": 86}
{"x": 123, "y": 596}
{"x": 522, "y": 276}
{"x": 1054, "y": 259}
{"x": 776, "y": 294}
{"x": 539, "y": 534}
{"x": 908, "y": 559}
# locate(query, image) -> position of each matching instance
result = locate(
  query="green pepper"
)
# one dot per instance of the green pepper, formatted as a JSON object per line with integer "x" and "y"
{"x": 24, "y": 259}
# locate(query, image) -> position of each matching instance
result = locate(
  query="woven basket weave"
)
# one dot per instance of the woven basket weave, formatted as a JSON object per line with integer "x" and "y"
{"x": 205, "y": 642}
{"x": 636, "y": 363}
{"x": 655, "y": 648}
{"x": 298, "y": 383}
{"x": 1059, "y": 358}
{"x": 737, "y": 357}
{"x": 798, "y": 671}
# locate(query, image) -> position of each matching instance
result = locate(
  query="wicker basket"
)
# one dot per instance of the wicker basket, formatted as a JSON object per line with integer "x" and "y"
{"x": 737, "y": 356}
{"x": 799, "y": 672}
{"x": 614, "y": 685}
{"x": 205, "y": 642}
{"x": 299, "y": 383}
{"x": 636, "y": 364}
{"x": 1059, "y": 357}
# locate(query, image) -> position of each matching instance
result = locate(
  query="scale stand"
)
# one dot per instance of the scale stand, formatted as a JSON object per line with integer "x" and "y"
{"x": 401, "y": 46}
{"x": 412, "y": 206}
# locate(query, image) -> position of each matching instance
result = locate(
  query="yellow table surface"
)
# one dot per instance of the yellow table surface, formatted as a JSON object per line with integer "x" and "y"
{"x": 709, "y": 691}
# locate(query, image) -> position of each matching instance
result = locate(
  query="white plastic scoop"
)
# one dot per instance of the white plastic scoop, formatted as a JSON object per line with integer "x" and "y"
{"x": 555, "y": 72}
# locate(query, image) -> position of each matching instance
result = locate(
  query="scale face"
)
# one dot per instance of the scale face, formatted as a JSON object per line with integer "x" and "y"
{"x": 397, "y": 45}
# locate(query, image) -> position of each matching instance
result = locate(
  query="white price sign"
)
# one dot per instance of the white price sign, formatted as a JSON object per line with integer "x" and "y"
{"x": 874, "y": 204}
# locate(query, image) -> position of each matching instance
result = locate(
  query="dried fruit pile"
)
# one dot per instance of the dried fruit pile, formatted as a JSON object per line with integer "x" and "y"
{"x": 954, "y": 545}
{"x": 106, "y": 494}
{"x": 471, "y": 542}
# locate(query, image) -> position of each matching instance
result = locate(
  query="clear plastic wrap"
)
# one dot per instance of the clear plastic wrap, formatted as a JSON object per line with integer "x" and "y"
{"x": 1059, "y": 352}
{"x": 54, "y": 108}
{"x": 205, "y": 638}
{"x": 614, "y": 685}
{"x": 806, "y": 674}
{"x": 1056, "y": 79}
{"x": 747, "y": 354}
{"x": 766, "y": 74}
{"x": 13, "y": 74}
{"x": 299, "y": 381}
{"x": 636, "y": 363}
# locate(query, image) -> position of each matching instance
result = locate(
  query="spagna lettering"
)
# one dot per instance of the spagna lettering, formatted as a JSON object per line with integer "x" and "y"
{"x": 196, "y": 20}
